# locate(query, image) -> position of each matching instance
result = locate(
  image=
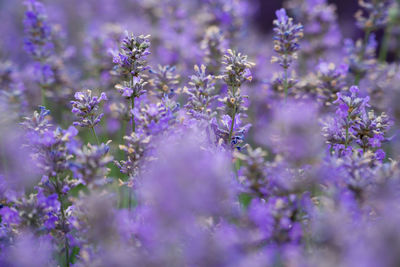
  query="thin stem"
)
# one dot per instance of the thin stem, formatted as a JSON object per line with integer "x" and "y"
{"x": 64, "y": 221}
{"x": 385, "y": 44}
{"x": 232, "y": 125}
{"x": 361, "y": 58}
{"x": 129, "y": 198}
{"x": 285, "y": 84}
{"x": 43, "y": 93}
{"x": 347, "y": 132}
{"x": 95, "y": 135}
{"x": 233, "y": 118}
{"x": 133, "y": 117}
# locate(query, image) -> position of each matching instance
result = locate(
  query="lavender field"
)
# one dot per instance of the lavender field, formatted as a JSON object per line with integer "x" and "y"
{"x": 199, "y": 133}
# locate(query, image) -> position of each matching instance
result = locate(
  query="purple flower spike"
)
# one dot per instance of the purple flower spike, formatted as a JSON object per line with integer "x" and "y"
{"x": 85, "y": 107}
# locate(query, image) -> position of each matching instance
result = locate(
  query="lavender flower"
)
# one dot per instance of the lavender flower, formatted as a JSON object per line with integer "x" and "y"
{"x": 130, "y": 65}
{"x": 201, "y": 93}
{"x": 355, "y": 126}
{"x": 237, "y": 71}
{"x": 286, "y": 43}
{"x": 38, "y": 40}
{"x": 165, "y": 82}
{"x": 137, "y": 153}
{"x": 85, "y": 107}
{"x": 376, "y": 14}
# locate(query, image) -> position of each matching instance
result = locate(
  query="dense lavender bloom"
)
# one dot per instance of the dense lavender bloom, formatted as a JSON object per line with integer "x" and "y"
{"x": 155, "y": 118}
{"x": 196, "y": 186}
{"x": 85, "y": 107}
{"x": 9, "y": 215}
{"x": 201, "y": 93}
{"x": 130, "y": 64}
{"x": 237, "y": 71}
{"x": 165, "y": 81}
{"x": 355, "y": 126}
{"x": 38, "y": 40}
{"x": 286, "y": 38}
{"x": 375, "y": 16}
{"x": 137, "y": 151}
{"x": 50, "y": 147}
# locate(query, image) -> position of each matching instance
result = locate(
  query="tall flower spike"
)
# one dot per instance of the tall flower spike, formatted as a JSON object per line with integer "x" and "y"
{"x": 85, "y": 106}
{"x": 130, "y": 60}
{"x": 286, "y": 43}
{"x": 286, "y": 39}
{"x": 38, "y": 32}
{"x": 201, "y": 93}
{"x": 237, "y": 71}
{"x": 130, "y": 65}
{"x": 39, "y": 44}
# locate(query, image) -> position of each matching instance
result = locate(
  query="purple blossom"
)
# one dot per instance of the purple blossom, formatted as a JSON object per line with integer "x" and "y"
{"x": 9, "y": 216}
{"x": 85, "y": 107}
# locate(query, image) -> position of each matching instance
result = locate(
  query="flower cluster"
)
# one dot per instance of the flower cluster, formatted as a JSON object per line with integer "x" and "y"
{"x": 355, "y": 126}
{"x": 377, "y": 13}
{"x": 201, "y": 93}
{"x": 286, "y": 39}
{"x": 165, "y": 81}
{"x": 130, "y": 63}
{"x": 38, "y": 40}
{"x": 237, "y": 71}
{"x": 85, "y": 107}
{"x": 253, "y": 164}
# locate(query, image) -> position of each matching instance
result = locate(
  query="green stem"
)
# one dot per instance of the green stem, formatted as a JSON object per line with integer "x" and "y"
{"x": 64, "y": 221}
{"x": 285, "y": 84}
{"x": 361, "y": 58}
{"x": 129, "y": 198}
{"x": 133, "y": 117}
{"x": 232, "y": 125}
{"x": 43, "y": 93}
{"x": 233, "y": 118}
{"x": 385, "y": 44}
{"x": 95, "y": 135}
{"x": 347, "y": 132}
